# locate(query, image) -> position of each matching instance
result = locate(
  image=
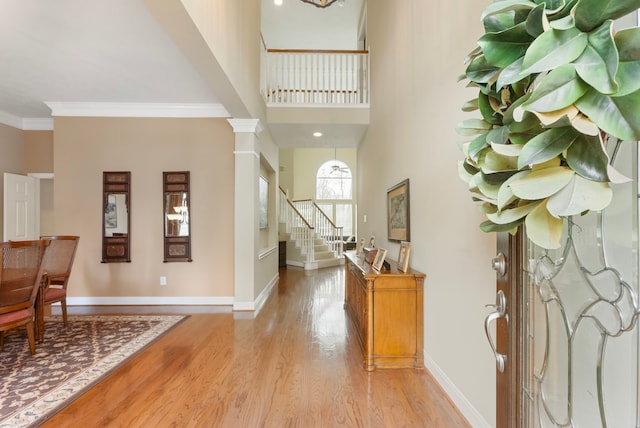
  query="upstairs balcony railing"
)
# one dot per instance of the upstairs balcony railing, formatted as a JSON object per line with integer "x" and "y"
{"x": 318, "y": 77}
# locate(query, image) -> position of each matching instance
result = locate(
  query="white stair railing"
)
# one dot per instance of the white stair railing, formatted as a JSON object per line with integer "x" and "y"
{"x": 315, "y": 77}
{"x": 324, "y": 227}
{"x": 297, "y": 227}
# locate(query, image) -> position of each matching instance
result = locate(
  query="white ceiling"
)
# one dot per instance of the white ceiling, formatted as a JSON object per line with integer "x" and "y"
{"x": 89, "y": 51}
{"x": 113, "y": 51}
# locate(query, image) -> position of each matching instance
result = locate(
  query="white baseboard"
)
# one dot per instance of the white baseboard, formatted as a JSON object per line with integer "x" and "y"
{"x": 466, "y": 408}
{"x": 257, "y": 304}
{"x": 150, "y": 300}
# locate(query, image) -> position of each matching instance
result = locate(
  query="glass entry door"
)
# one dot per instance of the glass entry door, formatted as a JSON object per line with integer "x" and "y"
{"x": 580, "y": 338}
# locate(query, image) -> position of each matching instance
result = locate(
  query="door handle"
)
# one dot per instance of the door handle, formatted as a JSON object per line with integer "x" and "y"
{"x": 500, "y": 311}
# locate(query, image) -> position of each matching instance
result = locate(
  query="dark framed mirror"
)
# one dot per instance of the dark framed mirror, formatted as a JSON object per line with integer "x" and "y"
{"x": 116, "y": 218}
{"x": 176, "y": 216}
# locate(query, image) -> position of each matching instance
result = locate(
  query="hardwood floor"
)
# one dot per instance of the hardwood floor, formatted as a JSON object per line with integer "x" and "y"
{"x": 296, "y": 364}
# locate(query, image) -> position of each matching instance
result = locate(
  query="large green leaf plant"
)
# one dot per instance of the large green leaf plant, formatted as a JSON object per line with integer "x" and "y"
{"x": 555, "y": 85}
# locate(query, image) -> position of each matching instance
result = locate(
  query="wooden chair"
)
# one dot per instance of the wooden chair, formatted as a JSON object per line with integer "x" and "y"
{"x": 20, "y": 279}
{"x": 57, "y": 263}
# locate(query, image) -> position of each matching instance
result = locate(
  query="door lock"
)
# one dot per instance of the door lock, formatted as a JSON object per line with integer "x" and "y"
{"x": 499, "y": 264}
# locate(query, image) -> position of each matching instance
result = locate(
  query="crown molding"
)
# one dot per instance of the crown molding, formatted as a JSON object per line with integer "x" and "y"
{"x": 137, "y": 110}
{"x": 26, "y": 124}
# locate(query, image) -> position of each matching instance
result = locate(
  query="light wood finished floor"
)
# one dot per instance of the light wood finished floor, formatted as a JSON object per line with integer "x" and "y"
{"x": 296, "y": 364}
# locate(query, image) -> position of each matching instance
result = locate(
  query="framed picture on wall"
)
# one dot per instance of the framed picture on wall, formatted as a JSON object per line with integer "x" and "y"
{"x": 398, "y": 212}
{"x": 263, "y": 196}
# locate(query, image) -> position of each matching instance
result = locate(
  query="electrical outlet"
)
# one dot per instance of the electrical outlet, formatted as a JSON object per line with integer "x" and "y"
{"x": 163, "y": 280}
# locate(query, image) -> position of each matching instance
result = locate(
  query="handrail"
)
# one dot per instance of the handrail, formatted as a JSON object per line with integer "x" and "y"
{"x": 299, "y": 214}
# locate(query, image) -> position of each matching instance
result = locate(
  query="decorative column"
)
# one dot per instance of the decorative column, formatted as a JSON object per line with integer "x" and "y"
{"x": 247, "y": 171}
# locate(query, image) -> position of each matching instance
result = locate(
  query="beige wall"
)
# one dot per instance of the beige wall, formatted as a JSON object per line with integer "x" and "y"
{"x": 85, "y": 147}
{"x": 417, "y": 51}
{"x": 38, "y": 151}
{"x": 11, "y": 159}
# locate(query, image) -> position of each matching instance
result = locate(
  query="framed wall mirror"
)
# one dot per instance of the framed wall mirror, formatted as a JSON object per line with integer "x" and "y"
{"x": 176, "y": 216}
{"x": 116, "y": 218}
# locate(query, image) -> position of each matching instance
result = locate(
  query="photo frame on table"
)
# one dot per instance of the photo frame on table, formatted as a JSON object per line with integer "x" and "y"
{"x": 360, "y": 247}
{"x": 372, "y": 241}
{"x": 379, "y": 260}
{"x": 403, "y": 256}
{"x": 398, "y": 225}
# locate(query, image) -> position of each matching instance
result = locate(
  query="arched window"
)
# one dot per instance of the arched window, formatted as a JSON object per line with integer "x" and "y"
{"x": 334, "y": 181}
{"x": 334, "y": 194}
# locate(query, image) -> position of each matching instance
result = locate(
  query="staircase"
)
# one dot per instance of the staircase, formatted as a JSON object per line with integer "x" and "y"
{"x": 313, "y": 241}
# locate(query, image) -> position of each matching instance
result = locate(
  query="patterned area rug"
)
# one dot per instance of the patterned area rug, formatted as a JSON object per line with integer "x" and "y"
{"x": 68, "y": 362}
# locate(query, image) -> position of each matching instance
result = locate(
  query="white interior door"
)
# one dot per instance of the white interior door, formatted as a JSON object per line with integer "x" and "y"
{"x": 21, "y": 208}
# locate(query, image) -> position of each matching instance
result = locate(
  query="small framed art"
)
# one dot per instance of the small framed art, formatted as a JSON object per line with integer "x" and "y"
{"x": 360, "y": 247}
{"x": 403, "y": 256}
{"x": 379, "y": 260}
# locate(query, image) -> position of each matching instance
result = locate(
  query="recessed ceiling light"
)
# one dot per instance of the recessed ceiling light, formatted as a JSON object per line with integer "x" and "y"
{"x": 317, "y": 134}
{"x": 277, "y": 2}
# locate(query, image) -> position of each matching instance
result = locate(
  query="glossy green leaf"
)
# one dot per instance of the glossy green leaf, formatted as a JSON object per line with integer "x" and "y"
{"x": 543, "y": 229}
{"x": 513, "y": 214}
{"x": 587, "y": 157}
{"x": 487, "y": 189}
{"x": 628, "y": 44}
{"x": 617, "y": 116}
{"x": 546, "y": 146}
{"x": 557, "y": 90}
{"x": 534, "y": 23}
{"x": 488, "y": 113}
{"x": 563, "y": 23}
{"x": 542, "y": 183}
{"x": 511, "y": 74}
{"x": 598, "y": 64}
{"x": 512, "y": 150}
{"x": 498, "y": 178}
{"x": 590, "y": 14}
{"x": 506, "y": 6}
{"x": 503, "y": 48}
{"x": 489, "y": 226}
{"x": 476, "y": 146}
{"x": 498, "y": 135}
{"x": 505, "y": 194}
{"x": 495, "y": 162}
{"x": 553, "y": 5}
{"x": 554, "y": 48}
{"x": 480, "y": 71}
{"x": 473, "y": 127}
{"x": 470, "y": 105}
{"x": 463, "y": 173}
{"x": 578, "y": 196}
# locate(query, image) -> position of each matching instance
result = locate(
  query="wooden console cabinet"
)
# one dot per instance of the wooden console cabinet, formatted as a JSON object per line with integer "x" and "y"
{"x": 387, "y": 312}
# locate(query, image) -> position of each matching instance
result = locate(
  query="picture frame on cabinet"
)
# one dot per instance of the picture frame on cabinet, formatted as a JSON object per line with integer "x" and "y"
{"x": 403, "y": 256}
{"x": 379, "y": 259}
{"x": 372, "y": 241}
{"x": 360, "y": 248}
